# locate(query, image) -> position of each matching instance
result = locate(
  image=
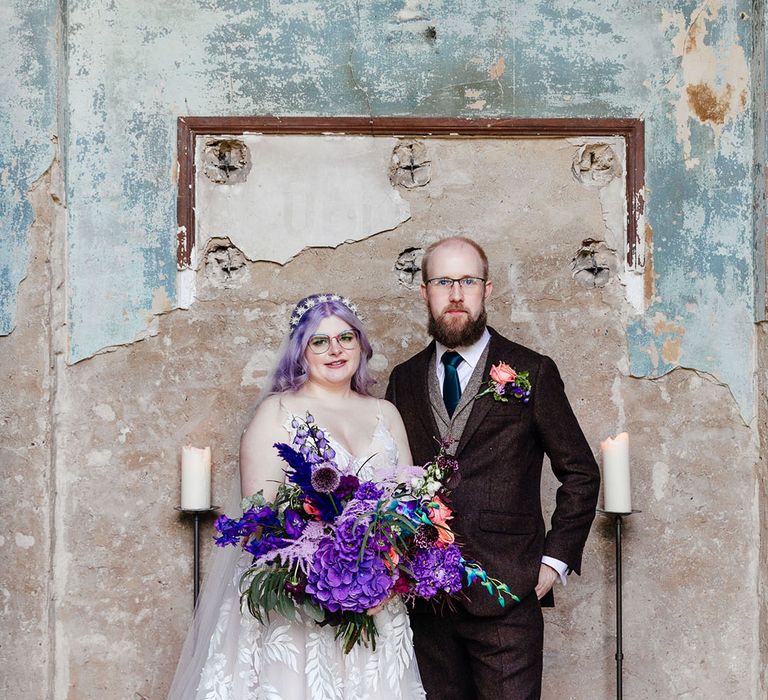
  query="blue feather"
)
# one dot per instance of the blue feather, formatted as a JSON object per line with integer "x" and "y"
{"x": 300, "y": 473}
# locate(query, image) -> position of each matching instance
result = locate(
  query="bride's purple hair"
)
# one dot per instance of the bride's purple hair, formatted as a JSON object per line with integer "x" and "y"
{"x": 291, "y": 369}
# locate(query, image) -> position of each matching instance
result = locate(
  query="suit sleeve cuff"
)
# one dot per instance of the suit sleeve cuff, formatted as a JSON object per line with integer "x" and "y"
{"x": 560, "y": 566}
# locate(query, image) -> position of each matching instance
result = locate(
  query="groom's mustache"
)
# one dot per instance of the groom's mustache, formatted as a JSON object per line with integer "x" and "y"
{"x": 454, "y": 307}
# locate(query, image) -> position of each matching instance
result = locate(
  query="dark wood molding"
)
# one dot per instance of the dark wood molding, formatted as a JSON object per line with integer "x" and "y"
{"x": 189, "y": 128}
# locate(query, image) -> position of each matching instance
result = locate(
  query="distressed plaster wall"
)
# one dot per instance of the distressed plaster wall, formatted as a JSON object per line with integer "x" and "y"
{"x": 28, "y": 37}
{"x": 683, "y": 67}
{"x": 98, "y": 602}
{"x": 26, "y": 469}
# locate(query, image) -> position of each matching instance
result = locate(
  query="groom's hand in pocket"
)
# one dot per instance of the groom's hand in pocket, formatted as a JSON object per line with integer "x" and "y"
{"x": 547, "y": 578}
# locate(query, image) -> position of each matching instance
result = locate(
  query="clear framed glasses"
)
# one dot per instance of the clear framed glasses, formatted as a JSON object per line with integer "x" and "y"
{"x": 321, "y": 343}
{"x": 468, "y": 284}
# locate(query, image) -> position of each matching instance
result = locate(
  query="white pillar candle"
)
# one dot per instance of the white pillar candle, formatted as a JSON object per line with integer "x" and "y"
{"x": 616, "y": 486}
{"x": 195, "y": 478}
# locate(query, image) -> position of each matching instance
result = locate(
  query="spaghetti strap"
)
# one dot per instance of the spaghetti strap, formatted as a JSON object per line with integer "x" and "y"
{"x": 289, "y": 417}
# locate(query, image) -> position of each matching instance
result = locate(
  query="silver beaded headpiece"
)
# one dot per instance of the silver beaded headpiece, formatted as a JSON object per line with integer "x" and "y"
{"x": 313, "y": 300}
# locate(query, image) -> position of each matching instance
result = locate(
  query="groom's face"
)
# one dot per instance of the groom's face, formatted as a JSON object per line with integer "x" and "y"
{"x": 456, "y": 314}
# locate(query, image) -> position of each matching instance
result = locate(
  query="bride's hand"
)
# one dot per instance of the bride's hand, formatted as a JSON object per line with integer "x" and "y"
{"x": 381, "y": 605}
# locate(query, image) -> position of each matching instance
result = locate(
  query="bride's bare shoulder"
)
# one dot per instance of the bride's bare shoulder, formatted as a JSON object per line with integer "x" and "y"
{"x": 390, "y": 411}
{"x": 268, "y": 414}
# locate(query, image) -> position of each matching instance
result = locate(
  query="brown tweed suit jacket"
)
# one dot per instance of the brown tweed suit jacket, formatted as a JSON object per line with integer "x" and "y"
{"x": 500, "y": 453}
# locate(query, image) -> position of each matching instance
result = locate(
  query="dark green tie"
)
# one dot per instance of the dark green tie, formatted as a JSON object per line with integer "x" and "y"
{"x": 451, "y": 386}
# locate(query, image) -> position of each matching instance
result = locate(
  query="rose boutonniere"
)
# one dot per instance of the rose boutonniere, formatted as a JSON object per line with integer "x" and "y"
{"x": 505, "y": 382}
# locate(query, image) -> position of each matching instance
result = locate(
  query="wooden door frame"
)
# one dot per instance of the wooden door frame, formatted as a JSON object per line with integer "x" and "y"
{"x": 189, "y": 128}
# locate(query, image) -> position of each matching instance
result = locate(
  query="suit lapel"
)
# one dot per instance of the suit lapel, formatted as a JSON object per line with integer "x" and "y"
{"x": 481, "y": 406}
{"x": 421, "y": 394}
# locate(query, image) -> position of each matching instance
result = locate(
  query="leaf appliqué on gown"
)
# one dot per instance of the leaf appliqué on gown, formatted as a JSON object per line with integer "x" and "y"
{"x": 295, "y": 660}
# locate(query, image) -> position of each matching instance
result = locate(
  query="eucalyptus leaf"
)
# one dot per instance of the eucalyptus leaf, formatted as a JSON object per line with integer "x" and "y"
{"x": 314, "y": 611}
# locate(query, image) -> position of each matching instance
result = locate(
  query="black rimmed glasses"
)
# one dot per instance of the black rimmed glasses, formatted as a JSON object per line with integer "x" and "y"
{"x": 467, "y": 284}
{"x": 321, "y": 343}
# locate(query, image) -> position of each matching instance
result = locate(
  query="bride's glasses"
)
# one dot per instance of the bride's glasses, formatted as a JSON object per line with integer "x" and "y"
{"x": 320, "y": 343}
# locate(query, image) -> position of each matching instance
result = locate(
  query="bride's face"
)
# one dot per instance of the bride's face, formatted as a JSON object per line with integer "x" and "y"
{"x": 333, "y": 352}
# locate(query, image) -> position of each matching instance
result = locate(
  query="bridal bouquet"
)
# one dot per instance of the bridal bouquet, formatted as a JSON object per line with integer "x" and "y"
{"x": 335, "y": 546}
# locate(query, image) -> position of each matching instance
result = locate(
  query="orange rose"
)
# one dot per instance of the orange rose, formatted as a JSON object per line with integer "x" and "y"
{"x": 439, "y": 513}
{"x": 444, "y": 535}
{"x": 503, "y": 373}
{"x": 311, "y": 510}
{"x": 394, "y": 556}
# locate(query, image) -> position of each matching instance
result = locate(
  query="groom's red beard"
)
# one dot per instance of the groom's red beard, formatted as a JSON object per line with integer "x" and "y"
{"x": 458, "y": 332}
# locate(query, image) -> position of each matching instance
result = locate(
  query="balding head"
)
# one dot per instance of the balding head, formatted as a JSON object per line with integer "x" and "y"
{"x": 455, "y": 243}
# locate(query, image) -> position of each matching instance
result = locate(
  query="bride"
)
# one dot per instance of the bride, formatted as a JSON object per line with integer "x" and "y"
{"x": 228, "y": 654}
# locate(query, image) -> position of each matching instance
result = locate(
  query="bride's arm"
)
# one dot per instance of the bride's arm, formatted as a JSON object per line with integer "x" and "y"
{"x": 397, "y": 429}
{"x": 260, "y": 466}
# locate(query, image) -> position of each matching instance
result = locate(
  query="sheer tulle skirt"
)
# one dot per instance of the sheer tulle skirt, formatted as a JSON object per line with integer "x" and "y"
{"x": 229, "y": 655}
{"x": 298, "y": 659}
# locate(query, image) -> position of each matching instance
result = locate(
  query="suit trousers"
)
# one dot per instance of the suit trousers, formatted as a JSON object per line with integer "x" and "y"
{"x": 466, "y": 657}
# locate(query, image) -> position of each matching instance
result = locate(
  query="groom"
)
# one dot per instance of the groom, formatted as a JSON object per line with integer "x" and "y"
{"x": 481, "y": 650}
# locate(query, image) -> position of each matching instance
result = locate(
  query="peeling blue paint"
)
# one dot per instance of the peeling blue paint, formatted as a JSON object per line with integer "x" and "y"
{"x": 133, "y": 69}
{"x": 702, "y": 218}
{"x": 27, "y": 125}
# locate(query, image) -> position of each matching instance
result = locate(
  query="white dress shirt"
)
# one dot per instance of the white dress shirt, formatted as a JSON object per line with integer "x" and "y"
{"x": 470, "y": 356}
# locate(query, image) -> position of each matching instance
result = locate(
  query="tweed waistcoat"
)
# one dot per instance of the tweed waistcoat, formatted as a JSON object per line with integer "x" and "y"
{"x": 454, "y": 426}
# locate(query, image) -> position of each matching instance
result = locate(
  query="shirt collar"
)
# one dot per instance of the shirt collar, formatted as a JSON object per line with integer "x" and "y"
{"x": 470, "y": 354}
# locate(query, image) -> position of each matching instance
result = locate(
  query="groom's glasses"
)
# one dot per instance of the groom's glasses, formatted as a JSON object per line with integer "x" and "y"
{"x": 468, "y": 284}
{"x": 321, "y": 343}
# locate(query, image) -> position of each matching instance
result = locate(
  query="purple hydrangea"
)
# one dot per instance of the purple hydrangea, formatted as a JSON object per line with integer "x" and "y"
{"x": 343, "y": 585}
{"x": 350, "y": 529}
{"x": 437, "y": 569}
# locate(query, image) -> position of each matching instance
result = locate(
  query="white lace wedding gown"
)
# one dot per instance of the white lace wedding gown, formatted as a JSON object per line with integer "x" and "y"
{"x": 291, "y": 660}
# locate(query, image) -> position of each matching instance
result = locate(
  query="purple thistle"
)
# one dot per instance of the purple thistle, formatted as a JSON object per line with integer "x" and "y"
{"x": 325, "y": 478}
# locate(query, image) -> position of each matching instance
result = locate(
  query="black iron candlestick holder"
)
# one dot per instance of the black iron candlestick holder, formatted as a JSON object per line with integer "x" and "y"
{"x": 196, "y": 514}
{"x": 617, "y": 522}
